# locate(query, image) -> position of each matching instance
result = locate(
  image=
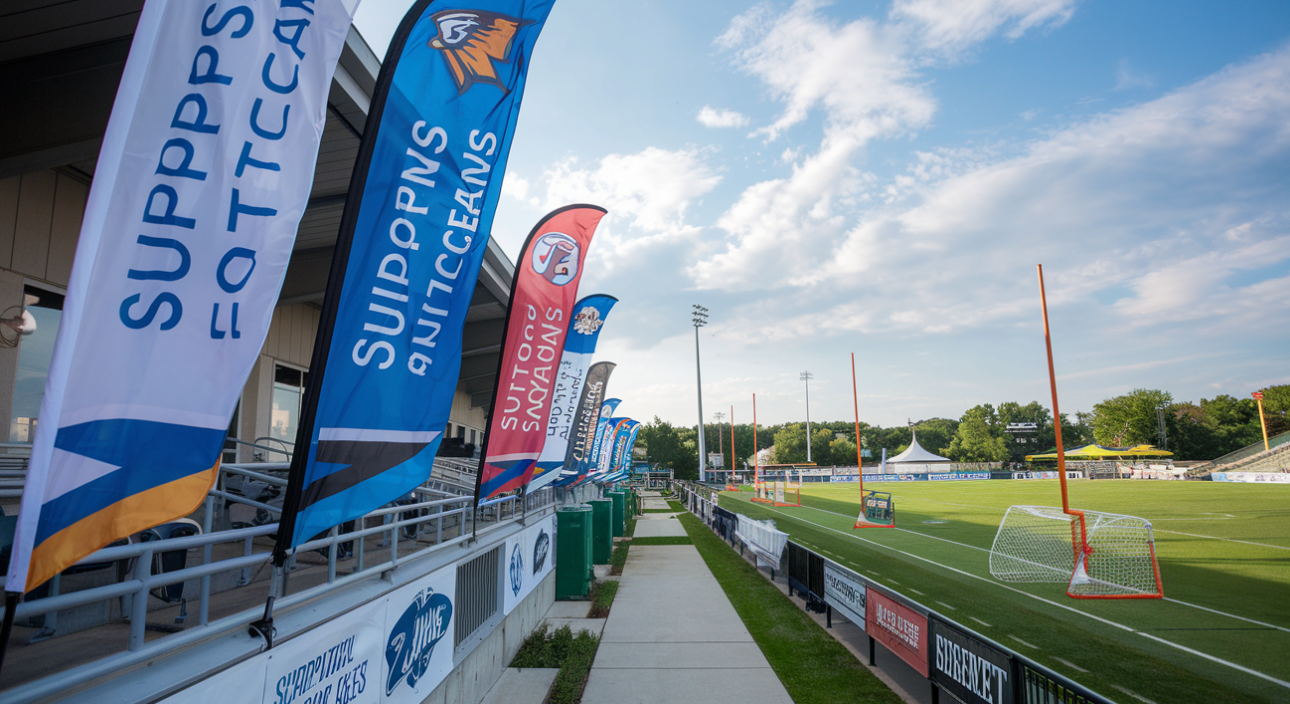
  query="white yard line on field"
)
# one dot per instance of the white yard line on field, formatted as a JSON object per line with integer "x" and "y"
{"x": 1133, "y": 694}
{"x": 1172, "y": 601}
{"x": 1069, "y": 664}
{"x": 1050, "y": 602}
{"x": 1229, "y": 540}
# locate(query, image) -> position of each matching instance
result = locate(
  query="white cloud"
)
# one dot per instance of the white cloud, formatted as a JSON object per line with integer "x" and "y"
{"x": 710, "y": 117}
{"x": 855, "y": 72}
{"x": 653, "y": 187}
{"x": 1164, "y": 214}
{"x": 948, "y": 27}
{"x": 1126, "y": 77}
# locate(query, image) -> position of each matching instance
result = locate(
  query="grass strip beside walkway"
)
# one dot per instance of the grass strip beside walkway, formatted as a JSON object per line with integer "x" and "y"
{"x": 561, "y": 648}
{"x": 814, "y": 668}
{"x": 663, "y": 540}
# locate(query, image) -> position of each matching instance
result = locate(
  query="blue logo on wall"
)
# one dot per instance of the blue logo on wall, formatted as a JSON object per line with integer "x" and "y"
{"x": 540, "y": 548}
{"x": 517, "y": 569}
{"x": 412, "y": 640}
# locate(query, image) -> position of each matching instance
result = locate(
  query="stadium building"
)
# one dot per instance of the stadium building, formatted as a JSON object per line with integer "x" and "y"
{"x": 60, "y": 64}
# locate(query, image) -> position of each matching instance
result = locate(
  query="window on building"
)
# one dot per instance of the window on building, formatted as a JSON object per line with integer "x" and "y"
{"x": 34, "y": 354}
{"x": 461, "y": 432}
{"x": 288, "y": 393}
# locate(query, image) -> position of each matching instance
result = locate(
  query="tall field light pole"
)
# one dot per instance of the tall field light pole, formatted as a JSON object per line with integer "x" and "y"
{"x": 806, "y": 377}
{"x": 700, "y": 319}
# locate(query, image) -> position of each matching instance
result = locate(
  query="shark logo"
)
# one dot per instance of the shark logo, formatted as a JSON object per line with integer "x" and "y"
{"x": 540, "y": 548}
{"x": 555, "y": 257}
{"x": 517, "y": 569}
{"x": 473, "y": 42}
{"x": 414, "y": 636}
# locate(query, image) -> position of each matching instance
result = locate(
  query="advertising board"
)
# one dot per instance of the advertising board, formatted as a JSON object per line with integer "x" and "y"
{"x": 845, "y": 591}
{"x": 973, "y": 671}
{"x": 1040, "y": 687}
{"x": 899, "y": 628}
{"x": 1255, "y": 477}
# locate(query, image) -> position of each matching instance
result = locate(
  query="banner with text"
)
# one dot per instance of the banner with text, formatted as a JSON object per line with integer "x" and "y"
{"x": 901, "y": 629}
{"x": 585, "y": 422}
{"x": 204, "y": 172}
{"x": 588, "y": 317}
{"x": 412, "y": 239}
{"x": 973, "y": 671}
{"x": 605, "y": 463}
{"x": 845, "y": 591}
{"x": 591, "y": 463}
{"x": 542, "y": 296}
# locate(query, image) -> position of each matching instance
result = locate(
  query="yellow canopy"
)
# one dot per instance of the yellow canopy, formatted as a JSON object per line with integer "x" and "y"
{"x": 1091, "y": 452}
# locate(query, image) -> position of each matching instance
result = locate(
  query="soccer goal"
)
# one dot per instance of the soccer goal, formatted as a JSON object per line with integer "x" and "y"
{"x": 1098, "y": 555}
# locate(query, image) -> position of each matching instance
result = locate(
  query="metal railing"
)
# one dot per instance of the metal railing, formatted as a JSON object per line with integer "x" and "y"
{"x": 429, "y": 518}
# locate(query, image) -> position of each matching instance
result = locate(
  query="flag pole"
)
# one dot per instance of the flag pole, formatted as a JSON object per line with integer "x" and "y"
{"x": 1057, "y": 424}
{"x": 855, "y": 398}
{"x": 10, "y": 606}
{"x": 756, "y": 457}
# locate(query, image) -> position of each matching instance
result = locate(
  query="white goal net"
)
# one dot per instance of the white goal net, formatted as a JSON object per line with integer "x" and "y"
{"x": 1114, "y": 556}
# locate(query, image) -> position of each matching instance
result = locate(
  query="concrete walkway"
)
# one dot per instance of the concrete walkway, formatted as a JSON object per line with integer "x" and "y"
{"x": 672, "y": 636}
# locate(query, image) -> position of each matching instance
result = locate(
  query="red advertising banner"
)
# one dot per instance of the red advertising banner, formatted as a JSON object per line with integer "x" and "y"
{"x": 542, "y": 297}
{"x": 902, "y": 630}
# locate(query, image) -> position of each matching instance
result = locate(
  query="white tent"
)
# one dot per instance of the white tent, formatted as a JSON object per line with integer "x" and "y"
{"x": 915, "y": 454}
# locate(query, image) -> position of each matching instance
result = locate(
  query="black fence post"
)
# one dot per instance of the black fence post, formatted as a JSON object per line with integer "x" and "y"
{"x": 828, "y": 616}
{"x": 872, "y": 659}
{"x": 936, "y": 693}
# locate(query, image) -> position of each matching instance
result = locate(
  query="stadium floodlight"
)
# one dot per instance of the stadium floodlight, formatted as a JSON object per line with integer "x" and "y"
{"x": 700, "y": 318}
{"x": 806, "y": 377}
{"x": 1099, "y": 555}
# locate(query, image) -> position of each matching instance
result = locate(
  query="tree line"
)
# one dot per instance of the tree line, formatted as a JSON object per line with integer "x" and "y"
{"x": 1192, "y": 431}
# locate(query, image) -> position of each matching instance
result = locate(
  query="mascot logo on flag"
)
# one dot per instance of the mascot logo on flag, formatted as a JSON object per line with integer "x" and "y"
{"x": 587, "y": 321}
{"x": 555, "y": 257}
{"x": 471, "y": 41}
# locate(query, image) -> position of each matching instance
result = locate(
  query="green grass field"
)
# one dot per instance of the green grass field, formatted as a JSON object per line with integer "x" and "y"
{"x": 1222, "y": 633}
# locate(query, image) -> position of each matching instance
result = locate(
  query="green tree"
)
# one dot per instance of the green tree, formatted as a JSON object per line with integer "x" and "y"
{"x": 790, "y": 444}
{"x": 842, "y": 452}
{"x": 979, "y": 437}
{"x": 1276, "y": 409}
{"x": 669, "y": 447}
{"x": 1130, "y": 419}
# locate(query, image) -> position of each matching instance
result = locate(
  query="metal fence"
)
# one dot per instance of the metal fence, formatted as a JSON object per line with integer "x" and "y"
{"x": 971, "y": 667}
{"x": 430, "y": 521}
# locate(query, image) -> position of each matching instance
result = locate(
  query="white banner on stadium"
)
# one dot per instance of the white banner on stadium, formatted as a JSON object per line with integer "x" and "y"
{"x": 530, "y": 556}
{"x": 204, "y": 173}
{"x": 1255, "y": 477}
{"x": 845, "y": 591}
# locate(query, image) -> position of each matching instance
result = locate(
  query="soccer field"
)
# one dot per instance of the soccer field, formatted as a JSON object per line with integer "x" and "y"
{"x": 1222, "y": 632}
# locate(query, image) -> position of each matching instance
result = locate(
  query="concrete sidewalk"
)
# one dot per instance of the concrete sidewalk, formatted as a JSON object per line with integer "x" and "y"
{"x": 672, "y": 636}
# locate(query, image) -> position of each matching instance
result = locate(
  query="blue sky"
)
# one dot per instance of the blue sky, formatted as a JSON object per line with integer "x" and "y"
{"x": 882, "y": 177}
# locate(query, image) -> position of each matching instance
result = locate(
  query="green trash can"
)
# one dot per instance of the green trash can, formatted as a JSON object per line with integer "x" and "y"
{"x": 602, "y": 530}
{"x": 573, "y": 570}
{"x": 620, "y": 506}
